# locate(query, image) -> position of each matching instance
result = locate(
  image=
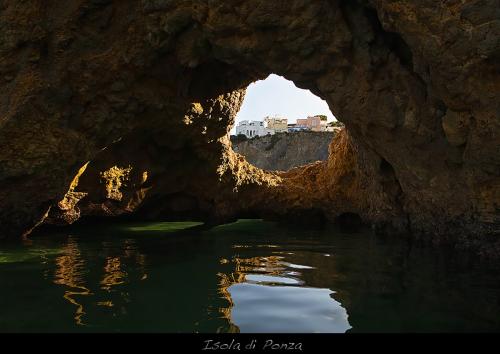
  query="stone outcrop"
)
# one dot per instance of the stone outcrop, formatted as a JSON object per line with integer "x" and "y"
{"x": 152, "y": 86}
{"x": 283, "y": 151}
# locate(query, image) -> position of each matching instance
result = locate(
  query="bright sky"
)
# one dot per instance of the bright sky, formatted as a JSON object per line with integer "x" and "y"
{"x": 278, "y": 96}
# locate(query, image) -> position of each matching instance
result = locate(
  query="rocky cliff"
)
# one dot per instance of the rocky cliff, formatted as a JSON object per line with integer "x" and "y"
{"x": 123, "y": 107}
{"x": 284, "y": 151}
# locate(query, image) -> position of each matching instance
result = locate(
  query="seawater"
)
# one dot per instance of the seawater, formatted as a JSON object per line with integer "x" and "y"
{"x": 250, "y": 276}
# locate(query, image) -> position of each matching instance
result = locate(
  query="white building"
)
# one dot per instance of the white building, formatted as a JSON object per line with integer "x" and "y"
{"x": 252, "y": 128}
{"x": 276, "y": 124}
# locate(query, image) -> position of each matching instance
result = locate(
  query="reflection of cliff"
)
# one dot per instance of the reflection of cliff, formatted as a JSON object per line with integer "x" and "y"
{"x": 268, "y": 265}
{"x": 267, "y": 293}
{"x": 78, "y": 278}
{"x": 70, "y": 268}
{"x": 242, "y": 266}
{"x": 285, "y": 150}
{"x": 226, "y": 280}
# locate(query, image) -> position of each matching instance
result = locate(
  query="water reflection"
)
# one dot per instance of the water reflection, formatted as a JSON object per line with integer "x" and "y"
{"x": 265, "y": 287}
{"x": 227, "y": 280}
{"x": 249, "y": 276}
{"x": 69, "y": 272}
{"x": 266, "y": 295}
{"x": 113, "y": 274}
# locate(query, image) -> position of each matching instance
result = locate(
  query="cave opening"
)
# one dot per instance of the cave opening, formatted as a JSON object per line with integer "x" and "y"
{"x": 281, "y": 126}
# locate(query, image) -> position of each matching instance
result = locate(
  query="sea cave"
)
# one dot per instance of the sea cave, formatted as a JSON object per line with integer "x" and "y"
{"x": 120, "y": 112}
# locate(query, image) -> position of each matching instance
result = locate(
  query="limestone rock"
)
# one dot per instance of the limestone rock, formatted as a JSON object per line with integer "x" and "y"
{"x": 155, "y": 85}
{"x": 456, "y": 127}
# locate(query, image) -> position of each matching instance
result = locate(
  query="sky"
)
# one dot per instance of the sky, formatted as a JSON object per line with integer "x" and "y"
{"x": 278, "y": 96}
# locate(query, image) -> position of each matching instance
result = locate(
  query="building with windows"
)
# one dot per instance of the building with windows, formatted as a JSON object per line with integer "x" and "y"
{"x": 276, "y": 124}
{"x": 252, "y": 128}
{"x": 273, "y": 125}
{"x": 314, "y": 123}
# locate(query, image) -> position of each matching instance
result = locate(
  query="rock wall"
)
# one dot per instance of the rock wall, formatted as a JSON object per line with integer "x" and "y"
{"x": 285, "y": 150}
{"x": 154, "y": 85}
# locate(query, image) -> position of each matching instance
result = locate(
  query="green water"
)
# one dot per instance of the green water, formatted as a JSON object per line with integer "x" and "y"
{"x": 250, "y": 276}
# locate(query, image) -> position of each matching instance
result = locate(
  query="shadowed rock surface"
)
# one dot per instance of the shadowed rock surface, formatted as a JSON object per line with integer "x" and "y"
{"x": 152, "y": 87}
{"x": 286, "y": 150}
